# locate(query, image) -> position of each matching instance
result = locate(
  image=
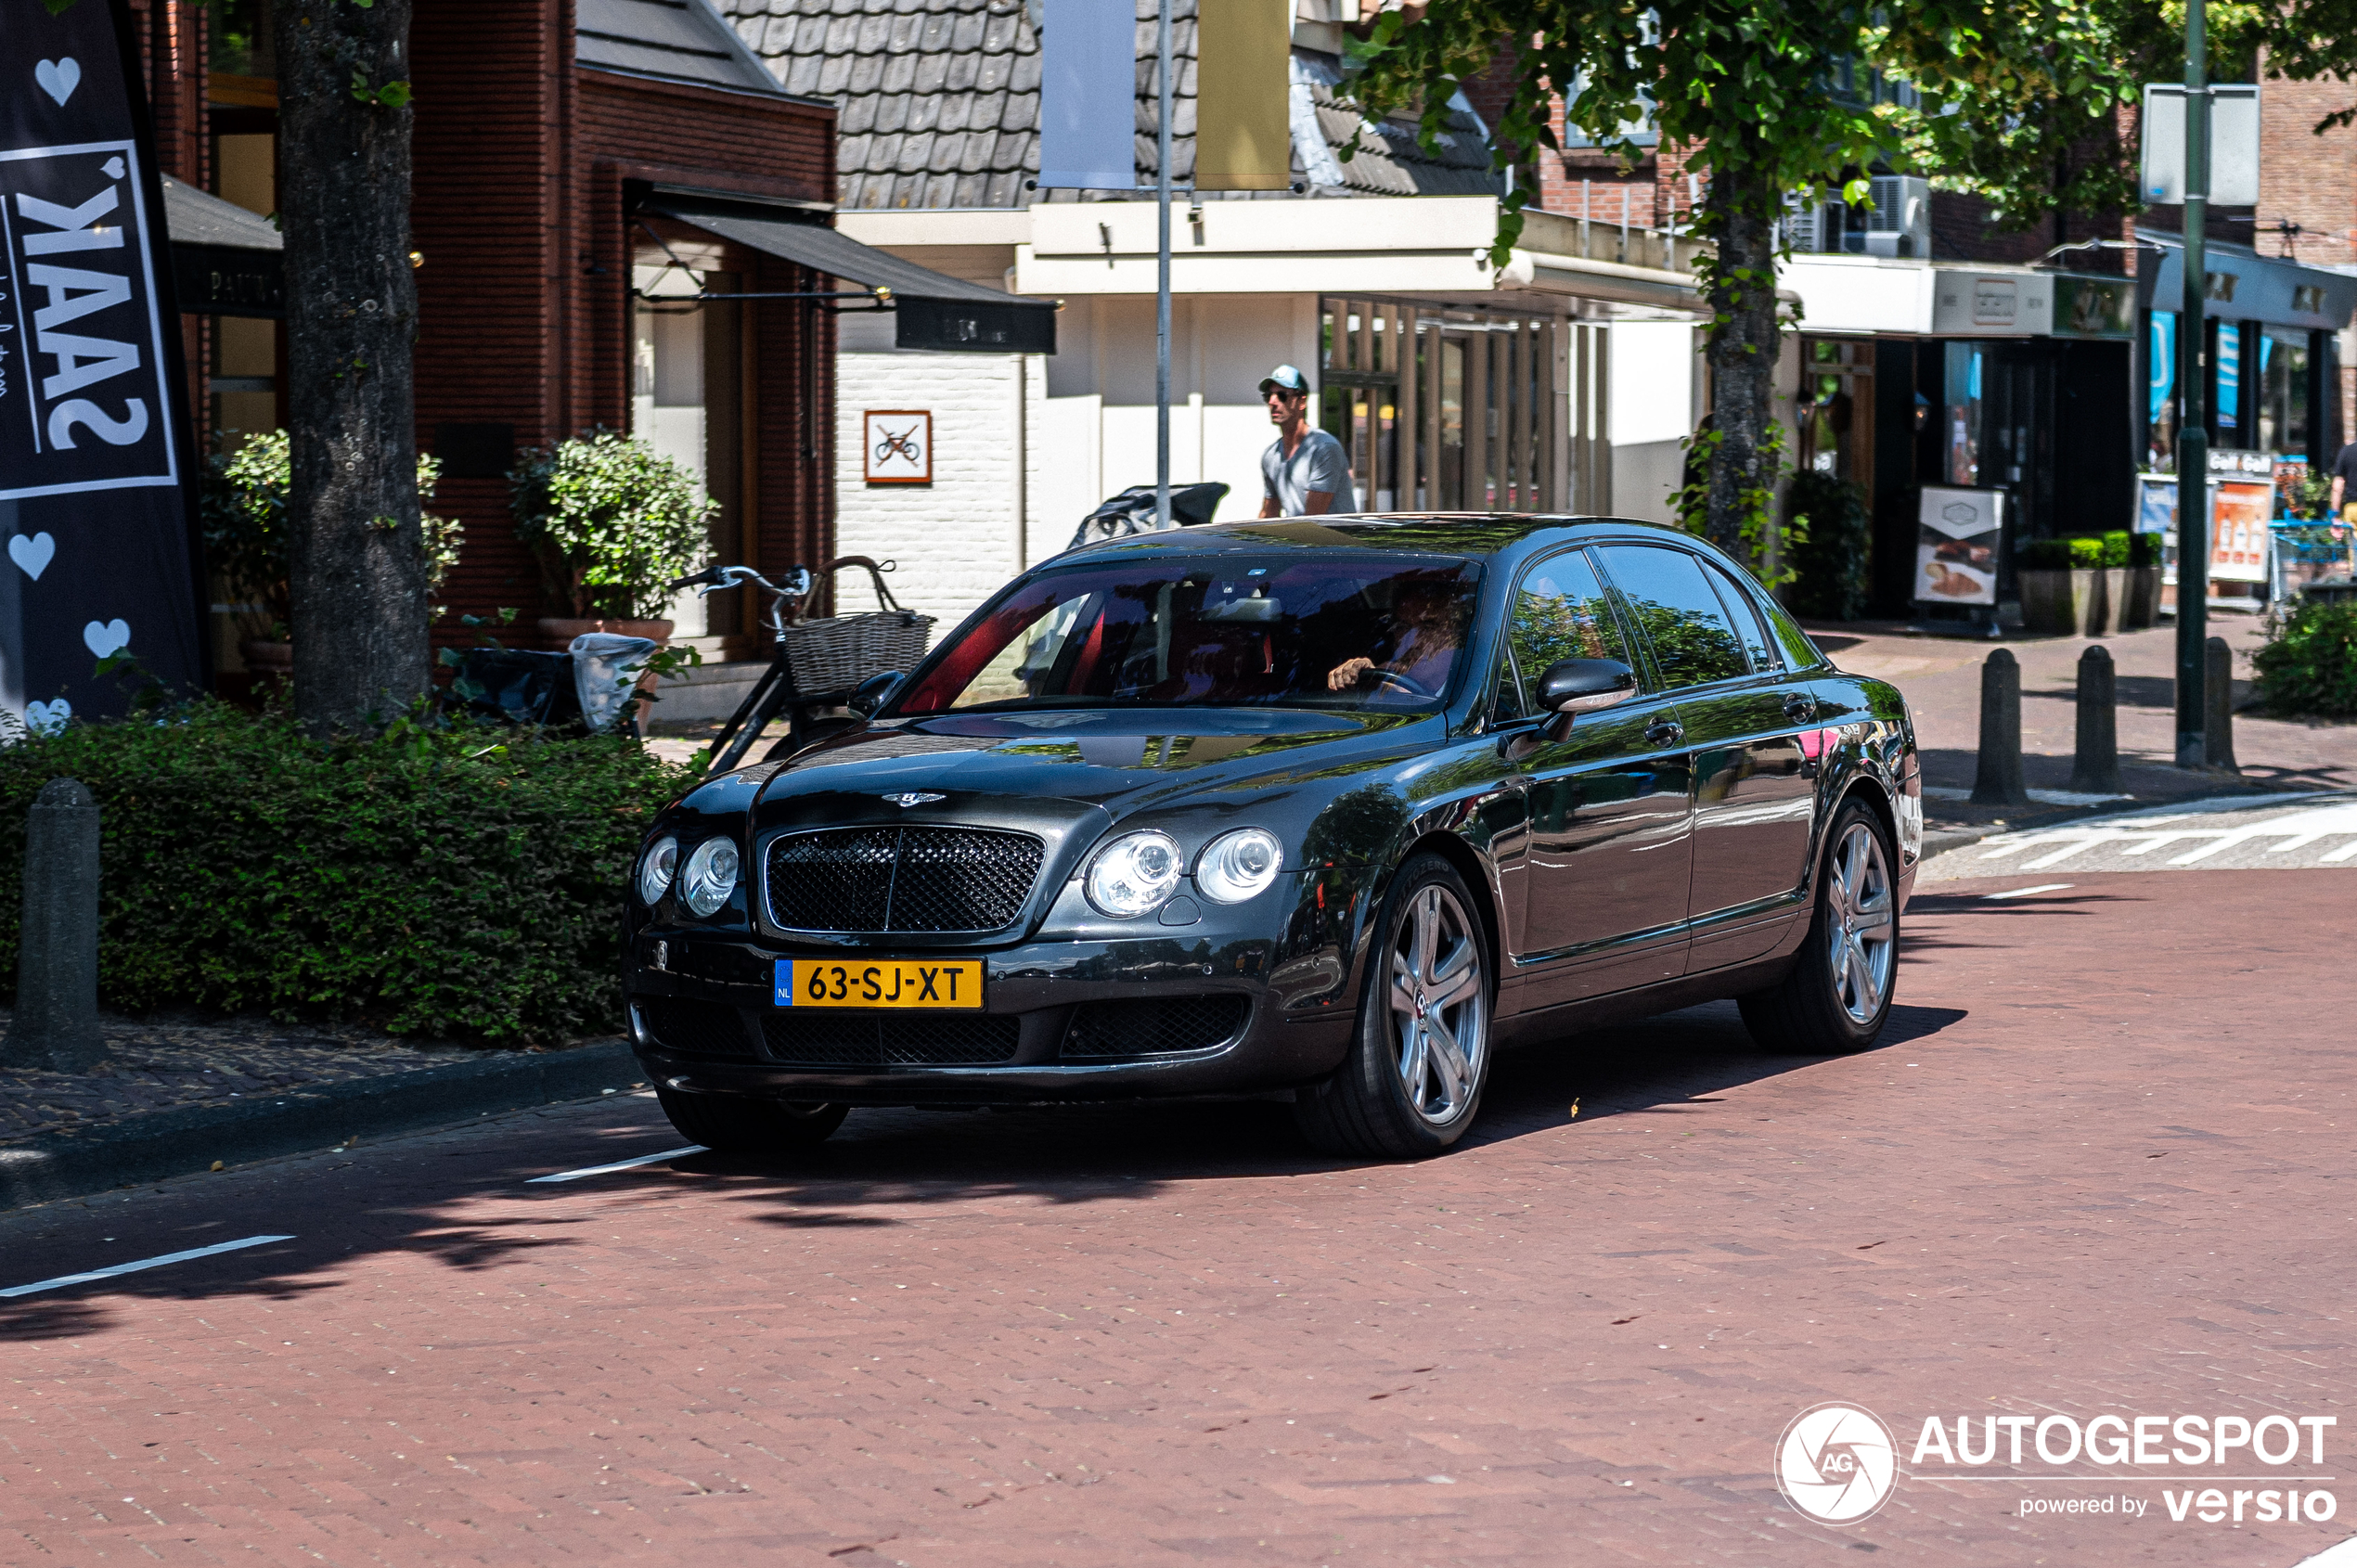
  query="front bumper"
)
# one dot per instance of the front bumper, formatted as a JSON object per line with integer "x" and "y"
{"x": 1186, "y": 1011}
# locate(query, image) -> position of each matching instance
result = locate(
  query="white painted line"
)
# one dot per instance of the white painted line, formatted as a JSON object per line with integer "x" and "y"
{"x": 2025, "y": 892}
{"x": 64, "y": 1280}
{"x": 2345, "y": 851}
{"x": 621, "y": 1165}
{"x": 2060, "y": 856}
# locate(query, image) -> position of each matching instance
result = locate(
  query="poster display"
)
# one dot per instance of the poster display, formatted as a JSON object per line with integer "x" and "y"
{"x": 94, "y": 460}
{"x": 2238, "y": 511}
{"x": 2157, "y": 504}
{"x": 1956, "y": 541}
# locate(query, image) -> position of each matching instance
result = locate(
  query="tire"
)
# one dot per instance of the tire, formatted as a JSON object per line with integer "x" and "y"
{"x": 1419, "y": 1056}
{"x": 737, "y": 1125}
{"x": 1838, "y": 996}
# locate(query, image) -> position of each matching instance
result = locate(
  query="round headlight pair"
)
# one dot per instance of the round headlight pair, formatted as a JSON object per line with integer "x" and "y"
{"x": 704, "y": 885}
{"x": 1137, "y": 873}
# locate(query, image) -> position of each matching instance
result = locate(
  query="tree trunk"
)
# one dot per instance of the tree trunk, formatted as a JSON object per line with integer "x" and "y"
{"x": 359, "y": 566}
{"x": 1745, "y": 443}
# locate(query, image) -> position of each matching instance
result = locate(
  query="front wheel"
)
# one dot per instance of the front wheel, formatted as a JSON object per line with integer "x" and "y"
{"x": 1838, "y": 996}
{"x": 738, "y": 1124}
{"x": 1420, "y": 1060}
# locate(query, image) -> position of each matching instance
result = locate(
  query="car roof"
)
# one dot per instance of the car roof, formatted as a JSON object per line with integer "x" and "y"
{"x": 1461, "y": 533}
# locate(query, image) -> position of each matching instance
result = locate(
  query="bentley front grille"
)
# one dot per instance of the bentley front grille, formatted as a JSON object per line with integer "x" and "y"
{"x": 879, "y": 881}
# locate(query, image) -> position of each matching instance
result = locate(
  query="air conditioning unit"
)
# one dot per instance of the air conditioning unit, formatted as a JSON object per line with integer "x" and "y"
{"x": 1900, "y": 224}
{"x": 1805, "y": 222}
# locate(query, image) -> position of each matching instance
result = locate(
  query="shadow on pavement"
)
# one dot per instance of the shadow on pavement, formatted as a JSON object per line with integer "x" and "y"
{"x": 882, "y": 1163}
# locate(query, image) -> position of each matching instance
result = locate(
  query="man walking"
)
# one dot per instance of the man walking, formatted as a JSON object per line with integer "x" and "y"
{"x": 1306, "y": 470}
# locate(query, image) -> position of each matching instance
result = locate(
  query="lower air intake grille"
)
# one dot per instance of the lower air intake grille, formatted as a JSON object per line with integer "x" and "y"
{"x": 822, "y": 1039}
{"x": 1159, "y": 1027}
{"x": 697, "y": 1028}
{"x": 875, "y": 880}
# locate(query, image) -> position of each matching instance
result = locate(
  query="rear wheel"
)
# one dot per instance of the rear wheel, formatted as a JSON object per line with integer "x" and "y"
{"x": 735, "y": 1124}
{"x": 1412, "y": 1082}
{"x": 1838, "y": 996}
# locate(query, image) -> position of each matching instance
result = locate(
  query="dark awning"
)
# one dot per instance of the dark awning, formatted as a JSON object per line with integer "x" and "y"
{"x": 935, "y": 311}
{"x": 225, "y": 261}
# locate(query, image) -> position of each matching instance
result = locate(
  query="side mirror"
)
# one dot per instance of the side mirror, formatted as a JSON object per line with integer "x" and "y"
{"x": 875, "y": 691}
{"x": 1584, "y": 685}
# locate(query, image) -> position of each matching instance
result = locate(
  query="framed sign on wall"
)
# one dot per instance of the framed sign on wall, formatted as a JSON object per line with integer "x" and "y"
{"x": 899, "y": 446}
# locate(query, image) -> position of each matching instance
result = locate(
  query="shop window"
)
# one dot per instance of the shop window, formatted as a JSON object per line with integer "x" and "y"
{"x": 2283, "y": 410}
{"x": 2161, "y": 380}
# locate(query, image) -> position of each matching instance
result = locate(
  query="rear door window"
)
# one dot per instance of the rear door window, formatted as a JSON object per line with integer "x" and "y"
{"x": 1678, "y": 612}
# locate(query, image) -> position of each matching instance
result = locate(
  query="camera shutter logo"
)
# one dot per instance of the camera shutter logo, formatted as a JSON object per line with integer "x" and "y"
{"x": 1835, "y": 1463}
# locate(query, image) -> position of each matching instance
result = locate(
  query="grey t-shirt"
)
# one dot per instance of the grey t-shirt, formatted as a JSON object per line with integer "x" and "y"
{"x": 1319, "y": 463}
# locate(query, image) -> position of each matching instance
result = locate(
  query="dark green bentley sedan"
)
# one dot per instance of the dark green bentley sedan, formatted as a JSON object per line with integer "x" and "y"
{"x": 1337, "y": 808}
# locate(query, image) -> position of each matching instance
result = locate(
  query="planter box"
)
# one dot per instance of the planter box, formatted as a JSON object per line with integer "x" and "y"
{"x": 2143, "y": 599}
{"x": 2086, "y": 602}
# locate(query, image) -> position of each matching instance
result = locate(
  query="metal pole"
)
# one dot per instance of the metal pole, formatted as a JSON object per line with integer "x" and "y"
{"x": 1162, "y": 264}
{"x": 2193, "y": 436}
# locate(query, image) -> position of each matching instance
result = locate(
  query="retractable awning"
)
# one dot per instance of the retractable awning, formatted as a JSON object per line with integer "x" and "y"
{"x": 934, "y": 310}
{"x": 225, "y": 261}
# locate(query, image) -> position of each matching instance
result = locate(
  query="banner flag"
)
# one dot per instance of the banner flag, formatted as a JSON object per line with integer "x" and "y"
{"x": 1088, "y": 95}
{"x": 1243, "y": 136}
{"x": 94, "y": 460}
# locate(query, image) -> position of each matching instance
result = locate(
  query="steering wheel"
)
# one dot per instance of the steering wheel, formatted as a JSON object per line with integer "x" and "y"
{"x": 1409, "y": 684}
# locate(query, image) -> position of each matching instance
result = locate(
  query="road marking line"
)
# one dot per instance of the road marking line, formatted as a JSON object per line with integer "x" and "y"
{"x": 2025, "y": 892}
{"x": 621, "y": 1165}
{"x": 64, "y": 1280}
{"x": 2344, "y": 852}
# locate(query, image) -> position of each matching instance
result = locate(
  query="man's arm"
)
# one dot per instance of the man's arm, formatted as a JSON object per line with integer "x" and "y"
{"x": 1317, "y": 501}
{"x": 2332, "y": 509}
{"x": 1268, "y": 505}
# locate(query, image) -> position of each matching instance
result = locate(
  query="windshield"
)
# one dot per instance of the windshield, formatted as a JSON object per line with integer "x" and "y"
{"x": 1343, "y": 631}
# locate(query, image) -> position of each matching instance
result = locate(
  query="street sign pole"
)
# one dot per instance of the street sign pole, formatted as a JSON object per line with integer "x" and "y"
{"x": 1162, "y": 269}
{"x": 2193, "y": 435}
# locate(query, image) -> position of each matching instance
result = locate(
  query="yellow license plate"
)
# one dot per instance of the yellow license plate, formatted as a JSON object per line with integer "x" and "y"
{"x": 880, "y": 983}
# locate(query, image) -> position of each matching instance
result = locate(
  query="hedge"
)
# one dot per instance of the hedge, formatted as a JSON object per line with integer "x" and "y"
{"x": 432, "y": 880}
{"x": 2309, "y": 667}
{"x": 1830, "y": 549}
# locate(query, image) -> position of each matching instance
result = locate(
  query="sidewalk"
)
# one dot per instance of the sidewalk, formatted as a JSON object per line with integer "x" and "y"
{"x": 1941, "y": 679}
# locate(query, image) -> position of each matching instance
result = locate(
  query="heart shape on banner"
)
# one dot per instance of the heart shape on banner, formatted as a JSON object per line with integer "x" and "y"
{"x": 48, "y": 718}
{"x": 33, "y": 552}
{"x": 58, "y": 78}
{"x": 103, "y": 637}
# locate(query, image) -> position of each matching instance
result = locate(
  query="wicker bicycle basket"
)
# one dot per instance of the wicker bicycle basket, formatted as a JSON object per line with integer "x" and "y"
{"x": 836, "y": 652}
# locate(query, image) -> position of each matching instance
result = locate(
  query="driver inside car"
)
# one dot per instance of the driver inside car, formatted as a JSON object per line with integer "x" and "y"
{"x": 1425, "y": 625}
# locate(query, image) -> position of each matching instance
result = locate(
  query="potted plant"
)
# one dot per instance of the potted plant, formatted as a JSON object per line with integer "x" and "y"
{"x": 612, "y": 524}
{"x": 2143, "y": 582}
{"x": 1829, "y": 539}
{"x": 2058, "y": 579}
{"x": 243, "y": 505}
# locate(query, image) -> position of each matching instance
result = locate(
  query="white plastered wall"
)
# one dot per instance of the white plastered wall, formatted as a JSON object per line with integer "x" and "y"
{"x": 1655, "y": 385}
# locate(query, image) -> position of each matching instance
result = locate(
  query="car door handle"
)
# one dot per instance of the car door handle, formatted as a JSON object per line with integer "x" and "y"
{"x": 1665, "y": 732}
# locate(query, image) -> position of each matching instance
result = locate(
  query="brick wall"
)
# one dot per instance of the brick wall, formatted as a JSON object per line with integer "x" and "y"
{"x": 525, "y": 296}
{"x": 2310, "y": 181}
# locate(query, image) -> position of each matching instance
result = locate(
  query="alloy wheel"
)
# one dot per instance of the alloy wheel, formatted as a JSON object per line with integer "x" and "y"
{"x": 1440, "y": 1006}
{"x": 1859, "y": 931}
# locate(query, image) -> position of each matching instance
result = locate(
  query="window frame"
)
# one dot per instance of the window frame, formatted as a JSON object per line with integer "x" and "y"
{"x": 1661, "y": 686}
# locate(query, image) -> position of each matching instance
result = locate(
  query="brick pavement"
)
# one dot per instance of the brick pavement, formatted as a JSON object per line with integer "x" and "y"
{"x": 165, "y": 1063}
{"x": 2099, "y": 1167}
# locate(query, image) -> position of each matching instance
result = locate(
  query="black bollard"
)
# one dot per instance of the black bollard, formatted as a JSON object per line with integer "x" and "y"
{"x": 2218, "y": 690}
{"x": 2094, "y": 769}
{"x": 56, "y": 1025}
{"x": 1998, "y": 781}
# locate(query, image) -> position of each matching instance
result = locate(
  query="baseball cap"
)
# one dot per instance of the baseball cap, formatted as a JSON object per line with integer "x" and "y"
{"x": 1284, "y": 376}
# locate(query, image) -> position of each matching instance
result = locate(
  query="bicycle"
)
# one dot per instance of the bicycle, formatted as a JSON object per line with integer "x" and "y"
{"x": 814, "y": 664}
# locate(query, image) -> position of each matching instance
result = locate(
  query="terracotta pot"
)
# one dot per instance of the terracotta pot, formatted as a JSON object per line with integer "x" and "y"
{"x": 267, "y": 658}
{"x": 556, "y": 632}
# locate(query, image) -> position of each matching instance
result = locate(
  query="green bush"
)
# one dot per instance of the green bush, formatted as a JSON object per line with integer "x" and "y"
{"x": 2309, "y": 665}
{"x": 2114, "y": 547}
{"x": 434, "y": 881}
{"x": 2075, "y": 555}
{"x": 1831, "y": 538}
{"x": 2144, "y": 549}
{"x": 613, "y": 522}
{"x": 241, "y": 502}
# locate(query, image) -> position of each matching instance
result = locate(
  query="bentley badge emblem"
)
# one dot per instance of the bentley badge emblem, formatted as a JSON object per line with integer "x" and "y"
{"x": 915, "y": 797}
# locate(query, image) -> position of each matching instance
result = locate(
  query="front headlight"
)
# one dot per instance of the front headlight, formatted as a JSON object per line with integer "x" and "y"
{"x": 1136, "y": 874}
{"x": 656, "y": 867}
{"x": 1236, "y": 866}
{"x": 710, "y": 875}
